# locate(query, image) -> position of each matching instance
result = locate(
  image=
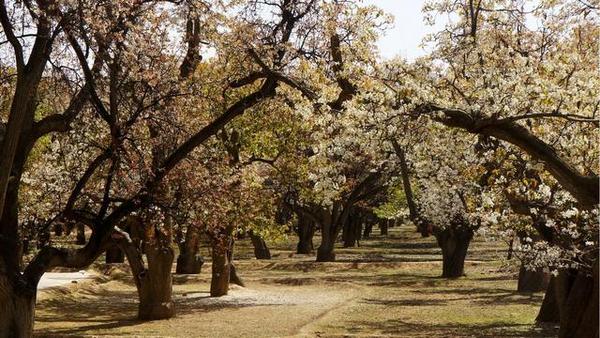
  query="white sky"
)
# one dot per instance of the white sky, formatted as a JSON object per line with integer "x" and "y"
{"x": 409, "y": 29}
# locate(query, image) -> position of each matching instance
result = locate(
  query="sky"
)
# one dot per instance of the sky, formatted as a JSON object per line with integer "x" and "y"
{"x": 409, "y": 29}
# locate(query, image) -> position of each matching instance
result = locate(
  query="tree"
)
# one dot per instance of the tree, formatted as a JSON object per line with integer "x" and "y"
{"x": 126, "y": 90}
{"x": 494, "y": 74}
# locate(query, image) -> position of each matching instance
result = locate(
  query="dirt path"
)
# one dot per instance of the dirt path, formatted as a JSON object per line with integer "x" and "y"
{"x": 260, "y": 310}
{"x": 313, "y": 327}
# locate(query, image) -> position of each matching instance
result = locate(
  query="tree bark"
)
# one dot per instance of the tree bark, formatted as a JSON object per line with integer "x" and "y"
{"x": 454, "y": 243}
{"x": 233, "y": 276}
{"x": 532, "y": 280}
{"x": 306, "y": 230}
{"x": 549, "y": 311}
{"x": 58, "y": 229}
{"x": 17, "y": 310}
{"x": 408, "y": 193}
{"x": 368, "y": 227}
{"x": 189, "y": 264}
{"x": 261, "y": 250}
{"x": 352, "y": 232}
{"x": 325, "y": 251}
{"x": 189, "y": 261}
{"x": 80, "y": 234}
{"x": 114, "y": 255}
{"x": 11, "y": 245}
{"x": 348, "y": 234}
{"x": 223, "y": 269}
{"x": 572, "y": 301}
{"x": 156, "y": 285}
{"x": 383, "y": 226}
{"x": 219, "y": 284}
{"x": 578, "y": 305}
{"x": 331, "y": 225}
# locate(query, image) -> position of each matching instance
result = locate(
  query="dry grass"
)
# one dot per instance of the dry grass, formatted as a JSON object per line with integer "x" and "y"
{"x": 388, "y": 287}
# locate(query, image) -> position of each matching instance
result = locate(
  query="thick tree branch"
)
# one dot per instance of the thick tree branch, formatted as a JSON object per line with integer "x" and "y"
{"x": 583, "y": 188}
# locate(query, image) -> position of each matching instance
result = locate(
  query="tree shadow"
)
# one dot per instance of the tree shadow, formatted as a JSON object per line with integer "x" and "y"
{"x": 404, "y": 302}
{"x": 89, "y": 310}
{"x": 400, "y": 328}
{"x": 489, "y": 296}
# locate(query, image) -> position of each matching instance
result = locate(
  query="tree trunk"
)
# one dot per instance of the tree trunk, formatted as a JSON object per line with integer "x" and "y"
{"x": 352, "y": 232}
{"x": 80, "y": 234}
{"x": 532, "y": 280}
{"x": 454, "y": 243}
{"x": 114, "y": 255}
{"x": 578, "y": 303}
{"x": 368, "y": 228}
{"x": 306, "y": 230}
{"x": 261, "y": 250}
{"x": 189, "y": 261}
{"x": 325, "y": 251}
{"x": 549, "y": 311}
{"x": 572, "y": 301}
{"x": 233, "y": 276}
{"x": 17, "y": 311}
{"x": 348, "y": 234}
{"x": 331, "y": 224}
{"x": 17, "y": 296}
{"x": 358, "y": 231}
{"x": 58, "y": 229}
{"x": 223, "y": 270}
{"x": 383, "y": 226}
{"x": 408, "y": 193}
{"x": 219, "y": 284}
{"x": 156, "y": 285}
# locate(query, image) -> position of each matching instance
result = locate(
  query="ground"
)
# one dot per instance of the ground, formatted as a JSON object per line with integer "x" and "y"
{"x": 389, "y": 287}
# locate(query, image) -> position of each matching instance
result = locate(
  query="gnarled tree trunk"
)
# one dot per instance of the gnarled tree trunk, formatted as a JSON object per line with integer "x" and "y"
{"x": 331, "y": 225}
{"x": 17, "y": 299}
{"x": 223, "y": 269}
{"x": 189, "y": 261}
{"x": 233, "y": 276}
{"x": 306, "y": 231}
{"x": 352, "y": 232}
{"x": 577, "y": 295}
{"x": 156, "y": 284}
{"x": 114, "y": 255}
{"x": 532, "y": 280}
{"x": 325, "y": 251}
{"x": 383, "y": 227}
{"x": 58, "y": 229}
{"x": 549, "y": 311}
{"x": 80, "y": 239}
{"x": 261, "y": 250}
{"x": 368, "y": 228}
{"x": 219, "y": 284}
{"x": 17, "y": 310}
{"x": 454, "y": 242}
